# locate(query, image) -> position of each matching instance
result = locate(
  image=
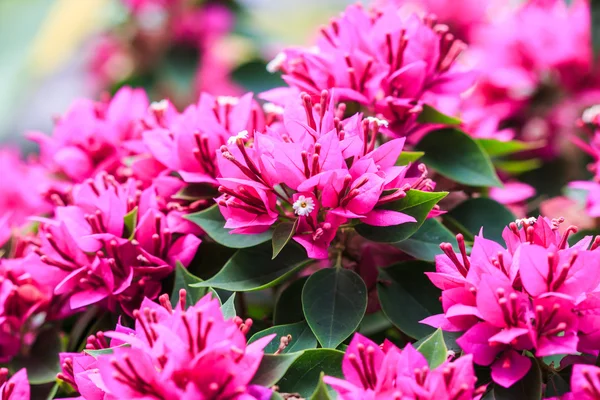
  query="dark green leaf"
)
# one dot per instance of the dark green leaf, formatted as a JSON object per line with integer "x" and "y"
{"x": 212, "y": 222}
{"x": 409, "y": 156}
{"x": 425, "y": 243}
{"x": 496, "y": 148}
{"x": 195, "y": 191}
{"x": 516, "y": 167}
{"x": 130, "y": 221}
{"x": 321, "y": 392}
{"x": 253, "y": 269}
{"x": 304, "y": 375}
{"x": 273, "y": 367}
{"x": 557, "y": 385}
{"x": 417, "y": 204}
{"x": 434, "y": 349}
{"x": 595, "y": 11}
{"x": 288, "y": 307}
{"x": 432, "y": 116}
{"x": 228, "y": 308}
{"x": 334, "y": 302}
{"x": 455, "y": 155}
{"x": 374, "y": 323}
{"x": 407, "y": 296}
{"x": 183, "y": 280}
{"x": 474, "y": 214}
{"x": 42, "y": 363}
{"x": 276, "y": 396}
{"x": 254, "y": 77}
{"x": 528, "y": 388}
{"x": 282, "y": 234}
{"x": 302, "y": 337}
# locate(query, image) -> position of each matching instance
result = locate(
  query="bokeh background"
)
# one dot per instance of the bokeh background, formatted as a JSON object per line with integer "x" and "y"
{"x": 46, "y": 45}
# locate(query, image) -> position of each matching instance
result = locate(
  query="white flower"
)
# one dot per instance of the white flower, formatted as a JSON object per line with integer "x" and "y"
{"x": 590, "y": 114}
{"x": 227, "y": 100}
{"x": 378, "y": 121}
{"x": 275, "y": 64}
{"x": 159, "y": 105}
{"x": 304, "y": 206}
{"x": 271, "y": 108}
{"x": 529, "y": 221}
{"x": 241, "y": 135}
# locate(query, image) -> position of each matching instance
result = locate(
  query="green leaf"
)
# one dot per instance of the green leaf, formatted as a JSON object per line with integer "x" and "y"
{"x": 516, "y": 167}
{"x": 195, "y": 191}
{"x": 432, "y": 116}
{"x": 557, "y": 385}
{"x": 434, "y": 349}
{"x": 474, "y": 214}
{"x": 497, "y": 148}
{"x": 254, "y": 269}
{"x": 407, "y": 157}
{"x": 130, "y": 221}
{"x": 374, "y": 323}
{"x": 304, "y": 374}
{"x": 254, "y": 77}
{"x": 425, "y": 243}
{"x": 228, "y": 308}
{"x": 321, "y": 392}
{"x": 42, "y": 363}
{"x": 183, "y": 280}
{"x": 334, "y": 302}
{"x": 273, "y": 367}
{"x": 288, "y": 306}
{"x": 455, "y": 155}
{"x": 276, "y": 396}
{"x": 212, "y": 222}
{"x": 595, "y": 11}
{"x": 417, "y": 204}
{"x": 528, "y": 388}
{"x": 302, "y": 337}
{"x": 282, "y": 234}
{"x": 407, "y": 296}
{"x": 101, "y": 352}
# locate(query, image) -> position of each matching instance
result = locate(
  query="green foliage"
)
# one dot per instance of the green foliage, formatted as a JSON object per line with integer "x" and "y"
{"x": 304, "y": 375}
{"x": 334, "y": 301}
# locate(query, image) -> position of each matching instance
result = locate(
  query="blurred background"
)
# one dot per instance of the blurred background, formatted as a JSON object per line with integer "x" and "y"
{"x": 54, "y": 51}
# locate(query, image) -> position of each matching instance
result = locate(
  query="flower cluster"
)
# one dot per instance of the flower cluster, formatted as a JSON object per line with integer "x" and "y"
{"x": 156, "y": 30}
{"x": 389, "y": 63}
{"x": 537, "y": 294}
{"x": 386, "y": 372}
{"x": 316, "y": 168}
{"x": 171, "y": 353}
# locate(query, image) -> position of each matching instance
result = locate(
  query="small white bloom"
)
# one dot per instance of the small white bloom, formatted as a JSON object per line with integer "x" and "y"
{"x": 271, "y": 108}
{"x": 159, "y": 105}
{"x": 275, "y": 64}
{"x": 227, "y": 100}
{"x": 241, "y": 135}
{"x": 378, "y": 121}
{"x": 590, "y": 114}
{"x": 529, "y": 221}
{"x": 304, "y": 206}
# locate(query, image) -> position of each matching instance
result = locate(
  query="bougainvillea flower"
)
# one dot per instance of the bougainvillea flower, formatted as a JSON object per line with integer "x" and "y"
{"x": 15, "y": 388}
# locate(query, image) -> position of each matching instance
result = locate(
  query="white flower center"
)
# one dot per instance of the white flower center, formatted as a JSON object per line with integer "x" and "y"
{"x": 378, "y": 121}
{"x": 227, "y": 100}
{"x": 590, "y": 114}
{"x": 529, "y": 221}
{"x": 241, "y": 135}
{"x": 303, "y": 206}
{"x": 159, "y": 105}
{"x": 271, "y": 108}
{"x": 275, "y": 64}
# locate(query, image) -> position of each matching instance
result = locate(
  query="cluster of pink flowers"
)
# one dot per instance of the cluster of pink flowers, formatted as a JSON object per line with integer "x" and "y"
{"x": 386, "y": 62}
{"x": 187, "y": 353}
{"x": 537, "y": 294}
{"x": 156, "y": 27}
{"x": 386, "y": 372}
